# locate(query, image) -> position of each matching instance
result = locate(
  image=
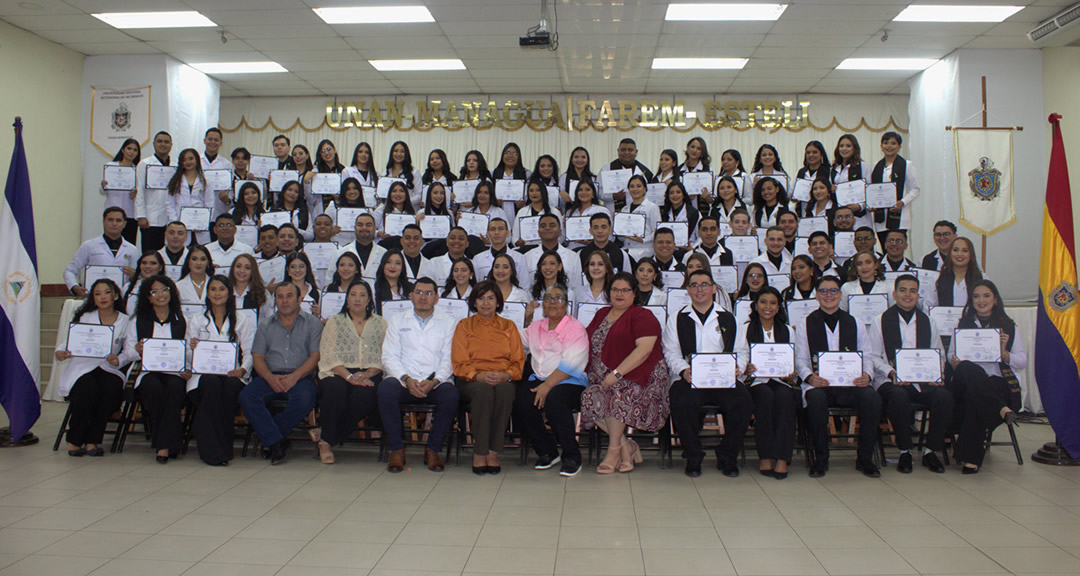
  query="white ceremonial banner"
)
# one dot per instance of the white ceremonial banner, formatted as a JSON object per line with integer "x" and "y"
{"x": 984, "y": 179}
{"x": 117, "y": 114}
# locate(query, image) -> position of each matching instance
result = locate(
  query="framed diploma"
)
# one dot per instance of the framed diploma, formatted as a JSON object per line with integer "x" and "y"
{"x": 676, "y": 299}
{"x": 798, "y": 310}
{"x": 892, "y": 276}
{"x": 326, "y": 184}
{"x": 510, "y": 190}
{"x": 218, "y": 180}
{"x": 514, "y": 312}
{"x": 195, "y": 217}
{"x": 802, "y": 247}
{"x": 174, "y": 272}
{"x": 211, "y": 357}
{"x": 553, "y": 194}
{"x": 346, "y": 217}
{"x": 881, "y": 195}
{"x": 164, "y": 355}
{"x": 192, "y": 310}
{"x": 435, "y": 227}
{"x": 673, "y": 278}
{"x": 529, "y": 228}
{"x": 918, "y": 365}
{"x": 272, "y": 270}
{"x": 781, "y": 178}
{"x": 93, "y": 273}
{"x": 278, "y": 178}
{"x": 395, "y": 224}
{"x": 370, "y": 199}
{"x": 464, "y": 190}
{"x": 119, "y": 178}
{"x": 305, "y": 305}
{"x": 475, "y": 224}
{"x": 90, "y": 340}
{"x": 844, "y": 245}
{"x": 331, "y": 303}
{"x": 696, "y": 183}
{"x": 945, "y": 318}
{"x": 659, "y": 312}
{"x": 262, "y": 166}
{"x": 586, "y": 311}
{"x": 275, "y": 219}
{"x": 726, "y": 278}
{"x": 629, "y": 224}
{"x": 808, "y": 226}
{"x": 779, "y": 281}
{"x": 577, "y": 228}
{"x": 840, "y": 368}
{"x": 382, "y": 190}
{"x": 656, "y": 193}
{"x": 321, "y": 254}
{"x": 851, "y": 192}
{"x": 614, "y": 181}
{"x": 866, "y": 307}
{"x": 772, "y": 360}
{"x": 453, "y": 307}
{"x": 927, "y": 280}
{"x": 801, "y": 191}
{"x": 157, "y": 177}
{"x": 240, "y": 184}
{"x": 742, "y": 248}
{"x": 395, "y": 307}
{"x": 978, "y": 344}
{"x": 680, "y": 229}
{"x": 248, "y": 235}
{"x": 762, "y": 232}
{"x": 713, "y": 370}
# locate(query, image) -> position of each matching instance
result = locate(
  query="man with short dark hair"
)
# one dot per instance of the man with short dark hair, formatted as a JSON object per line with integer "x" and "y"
{"x": 821, "y": 252}
{"x": 457, "y": 242}
{"x": 175, "y": 250}
{"x": 268, "y": 246}
{"x": 944, "y": 234}
{"x": 211, "y": 160}
{"x": 109, "y": 249}
{"x": 365, "y": 248}
{"x": 498, "y": 234}
{"x": 227, "y": 247}
{"x": 285, "y": 354}
{"x": 626, "y": 160}
{"x": 788, "y": 221}
{"x": 775, "y": 260}
{"x": 895, "y": 246}
{"x": 709, "y": 243}
{"x": 600, "y": 228}
{"x": 550, "y": 228}
{"x": 283, "y": 152}
{"x": 416, "y": 265}
{"x": 150, "y": 203}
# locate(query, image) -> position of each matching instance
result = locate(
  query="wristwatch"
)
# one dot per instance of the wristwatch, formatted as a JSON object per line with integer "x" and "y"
{"x": 615, "y": 371}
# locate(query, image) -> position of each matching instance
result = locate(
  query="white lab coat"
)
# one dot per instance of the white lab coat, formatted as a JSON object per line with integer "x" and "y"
{"x": 206, "y": 330}
{"x": 95, "y": 252}
{"x": 77, "y": 367}
{"x": 150, "y": 203}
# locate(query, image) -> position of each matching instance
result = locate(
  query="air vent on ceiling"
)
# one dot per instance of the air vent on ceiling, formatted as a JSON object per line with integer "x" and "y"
{"x": 1051, "y": 27}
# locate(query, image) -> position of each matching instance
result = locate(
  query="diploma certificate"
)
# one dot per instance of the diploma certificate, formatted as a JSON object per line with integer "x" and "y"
{"x": 586, "y": 311}
{"x": 779, "y": 281}
{"x": 881, "y": 195}
{"x": 473, "y": 223}
{"x": 90, "y": 340}
{"x": 801, "y": 191}
{"x": 382, "y": 190}
{"x": 321, "y": 254}
{"x": 119, "y": 178}
{"x": 978, "y": 344}
{"x": 629, "y": 224}
{"x": 464, "y": 190}
{"x": 677, "y": 298}
{"x": 157, "y": 177}
{"x": 844, "y": 245}
{"x": 174, "y": 272}
{"x": 453, "y": 307}
{"x": 577, "y": 228}
{"x": 697, "y": 182}
{"x": 840, "y": 368}
{"x": 927, "y": 280}
{"x": 435, "y": 227}
{"x": 94, "y": 273}
{"x": 395, "y": 307}
{"x": 614, "y": 181}
{"x": 659, "y": 312}
{"x": 918, "y": 365}
{"x": 211, "y": 357}
{"x": 529, "y": 228}
{"x": 865, "y": 307}
{"x": 742, "y": 248}
{"x": 218, "y": 180}
{"x": 510, "y": 190}
{"x": 195, "y": 218}
{"x": 370, "y": 199}
{"x": 742, "y": 312}
{"x": 851, "y": 192}
{"x": 514, "y": 312}
{"x": 346, "y": 217}
{"x": 945, "y": 318}
{"x": 680, "y": 229}
{"x": 798, "y": 310}
{"x": 275, "y": 219}
{"x": 656, "y": 193}
{"x": 192, "y": 310}
{"x": 261, "y": 166}
{"x": 331, "y": 303}
{"x": 395, "y": 224}
{"x": 272, "y": 270}
{"x": 278, "y": 178}
{"x": 726, "y": 277}
{"x": 808, "y": 226}
{"x": 326, "y": 184}
{"x": 673, "y": 278}
{"x": 802, "y": 246}
{"x": 772, "y": 360}
{"x": 713, "y": 370}
{"x": 164, "y": 355}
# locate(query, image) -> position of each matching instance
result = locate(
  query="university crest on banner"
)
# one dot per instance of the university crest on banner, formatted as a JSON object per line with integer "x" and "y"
{"x": 984, "y": 179}
{"x": 117, "y": 114}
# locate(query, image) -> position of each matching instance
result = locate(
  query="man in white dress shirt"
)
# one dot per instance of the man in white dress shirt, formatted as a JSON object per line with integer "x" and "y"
{"x": 550, "y": 228}
{"x": 457, "y": 241}
{"x": 109, "y": 249}
{"x": 211, "y": 160}
{"x": 174, "y": 252}
{"x": 150, "y": 203}
{"x": 416, "y": 264}
{"x": 498, "y": 232}
{"x": 775, "y": 260}
{"x": 227, "y": 247}
{"x": 365, "y": 248}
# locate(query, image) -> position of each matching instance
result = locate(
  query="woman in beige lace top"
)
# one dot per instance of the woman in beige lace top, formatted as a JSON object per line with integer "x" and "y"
{"x": 350, "y": 366}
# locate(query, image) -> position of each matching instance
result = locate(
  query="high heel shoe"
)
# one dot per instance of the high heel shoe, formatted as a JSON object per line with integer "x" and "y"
{"x": 603, "y": 468}
{"x": 634, "y": 457}
{"x": 326, "y": 452}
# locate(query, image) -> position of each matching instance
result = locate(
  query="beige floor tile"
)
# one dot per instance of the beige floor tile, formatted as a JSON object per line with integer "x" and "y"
{"x": 142, "y": 567}
{"x": 134, "y": 522}
{"x": 774, "y": 562}
{"x": 172, "y": 547}
{"x": 356, "y": 531}
{"x": 919, "y": 536}
{"x": 523, "y": 516}
{"x": 608, "y": 537}
{"x": 758, "y": 537}
{"x": 339, "y": 555}
{"x": 248, "y": 551}
{"x": 687, "y": 562}
{"x": 439, "y": 534}
{"x": 53, "y": 566}
{"x": 595, "y": 516}
{"x": 949, "y": 560}
{"x": 824, "y": 537}
{"x": 416, "y": 557}
{"x": 390, "y": 572}
{"x": 673, "y": 517}
{"x": 820, "y": 516}
{"x": 859, "y": 561}
{"x": 588, "y": 562}
{"x": 291, "y": 570}
{"x": 1058, "y": 534}
{"x": 59, "y": 518}
{"x": 675, "y": 538}
{"x": 94, "y": 544}
{"x": 12, "y": 514}
{"x": 1034, "y": 559}
{"x": 217, "y": 569}
{"x": 206, "y": 525}
{"x": 746, "y": 515}
{"x": 281, "y": 528}
{"x": 9, "y": 559}
{"x": 511, "y": 561}
{"x": 498, "y": 536}
{"x": 28, "y": 541}
{"x": 1000, "y": 534}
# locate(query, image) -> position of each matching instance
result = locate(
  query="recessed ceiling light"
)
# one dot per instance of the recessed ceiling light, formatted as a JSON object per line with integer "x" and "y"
{"x": 416, "y": 65}
{"x": 953, "y": 13}
{"x": 887, "y": 63}
{"x": 374, "y": 14}
{"x": 237, "y": 67}
{"x": 714, "y": 12}
{"x": 125, "y": 20}
{"x": 698, "y": 63}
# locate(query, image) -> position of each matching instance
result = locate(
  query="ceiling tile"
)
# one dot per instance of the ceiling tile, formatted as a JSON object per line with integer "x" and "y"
{"x": 84, "y": 36}
{"x": 301, "y": 17}
{"x": 300, "y": 44}
{"x": 58, "y": 22}
{"x": 36, "y": 8}
{"x": 386, "y": 30}
{"x": 109, "y": 48}
{"x": 280, "y": 31}
{"x": 807, "y": 42}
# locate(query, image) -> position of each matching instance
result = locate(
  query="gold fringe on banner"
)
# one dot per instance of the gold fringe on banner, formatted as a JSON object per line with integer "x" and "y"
{"x": 697, "y": 124}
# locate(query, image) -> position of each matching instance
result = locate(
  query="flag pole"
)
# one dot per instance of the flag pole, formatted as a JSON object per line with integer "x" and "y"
{"x": 982, "y": 257}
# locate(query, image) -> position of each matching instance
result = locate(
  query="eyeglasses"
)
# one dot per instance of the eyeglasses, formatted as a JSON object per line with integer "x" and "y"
{"x": 829, "y": 291}
{"x": 555, "y": 299}
{"x": 845, "y": 217}
{"x": 895, "y": 241}
{"x": 755, "y": 275}
{"x": 225, "y": 225}
{"x": 327, "y": 149}
{"x": 864, "y": 238}
{"x": 423, "y": 292}
{"x": 700, "y": 285}
{"x": 621, "y": 290}
{"x": 164, "y": 290}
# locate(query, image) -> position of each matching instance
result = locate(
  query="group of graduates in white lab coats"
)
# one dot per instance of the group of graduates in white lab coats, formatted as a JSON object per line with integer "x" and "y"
{"x": 767, "y": 259}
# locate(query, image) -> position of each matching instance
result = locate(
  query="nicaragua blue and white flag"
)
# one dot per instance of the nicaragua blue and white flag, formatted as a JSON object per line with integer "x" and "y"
{"x": 20, "y": 298}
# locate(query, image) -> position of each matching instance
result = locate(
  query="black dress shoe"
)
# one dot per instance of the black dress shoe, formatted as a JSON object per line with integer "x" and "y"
{"x": 868, "y": 468}
{"x": 768, "y": 473}
{"x": 967, "y": 470}
{"x": 98, "y": 452}
{"x": 905, "y": 465}
{"x": 818, "y": 468}
{"x": 79, "y": 453}
{"x": 162, "y": 459}
{"x": 479, "y": 470}
{"x": 930, "y": 460}
{"x": 693, "y": 468}
{"x": 493, "y": 470}
{"x": 278, "y": 453}
{"x": 729, "y": 468}
{"x": 779, "y": 475}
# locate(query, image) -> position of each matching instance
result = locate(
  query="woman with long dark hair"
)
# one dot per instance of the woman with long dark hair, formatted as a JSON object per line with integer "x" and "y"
{"x": 292, "y": 200}
{"x": 362, "y": 167}
{"x": 187, "y": 188}
{"x": 577, "y": 169}
{"x": 848, "y": 166}
{"x": 400, "y": 165}
{"x": 958, "y": 276}
{"x": 127, "y": 156}
{"x": 150, "y": 264}
{"x": 391, "y": 280}
{"x": 461, "y": 281}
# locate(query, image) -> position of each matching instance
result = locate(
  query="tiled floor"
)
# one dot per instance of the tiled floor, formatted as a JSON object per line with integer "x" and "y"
{"x": 125, "y": 514}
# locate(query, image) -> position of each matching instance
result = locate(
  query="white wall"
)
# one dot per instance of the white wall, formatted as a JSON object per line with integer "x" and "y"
{"x": 43, "y": 85}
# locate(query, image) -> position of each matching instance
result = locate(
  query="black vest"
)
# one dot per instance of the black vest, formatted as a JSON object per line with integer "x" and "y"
{"x": 755, "y": 334}
{"x": 899, "y": 177}
{"x": 818, "y": 341}
{"x": 890, "y": 332}
{"x": 946, "y": 284}
{"x": 687, "y": 331}
{"x": 930, "y": 261}
{"x": 144, "y": 327}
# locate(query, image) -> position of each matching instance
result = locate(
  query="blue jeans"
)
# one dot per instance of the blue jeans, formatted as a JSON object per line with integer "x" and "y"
{"x": 392, "y": 394}
{"x": 273, "y": 428}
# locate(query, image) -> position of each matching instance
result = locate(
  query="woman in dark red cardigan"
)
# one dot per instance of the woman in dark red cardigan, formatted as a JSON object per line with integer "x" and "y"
{"x": 628, "y": 378}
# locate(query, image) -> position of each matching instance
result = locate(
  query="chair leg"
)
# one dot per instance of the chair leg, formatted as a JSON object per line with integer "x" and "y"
{"x": 63, "y": 429}
{"x": 1015, "y": 445}
{"x": 126, "y": 421}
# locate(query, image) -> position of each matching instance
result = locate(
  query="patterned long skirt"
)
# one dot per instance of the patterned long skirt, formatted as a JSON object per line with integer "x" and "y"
{"x": 639, "y": 407}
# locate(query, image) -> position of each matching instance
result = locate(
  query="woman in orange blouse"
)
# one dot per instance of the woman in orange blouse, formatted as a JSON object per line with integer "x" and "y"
{"x": 488, "y": 357}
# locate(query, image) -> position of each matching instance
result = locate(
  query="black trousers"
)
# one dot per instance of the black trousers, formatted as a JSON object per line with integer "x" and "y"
{"x": 214, "y": 423}
{"x": 735, "y": 404}
{"x": 343, "y": 406}
{"x": 559, "y": 407}
{"x": 93, "y": 398}
{"x": 898, "y": 402}
{"x": 774, "y": 419}
{"x": 153, "y": 239}
{"x": 982, "y": 397}
{"x": 163, "y": 397}
{"x": 864, "y": 399}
